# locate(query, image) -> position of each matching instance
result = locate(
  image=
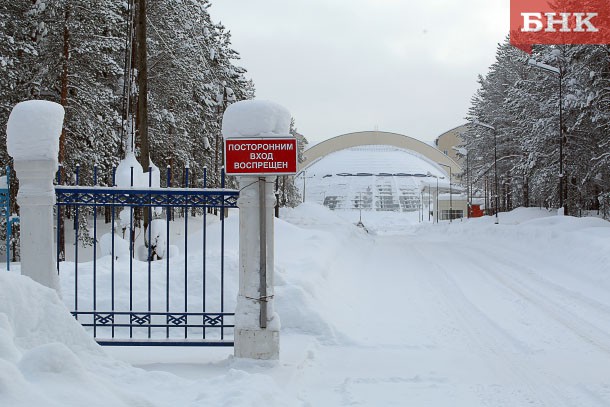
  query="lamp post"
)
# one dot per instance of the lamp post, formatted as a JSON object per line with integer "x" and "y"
{"x": 450, "y": 194}
{"x": 429, "y": 202}
{"x": 303, "y": 186}
{"x": 303, "y": 174}
{"x": 559, "y": 73}
{"x": 493, "y": 129}
{"x": 429, "y": 174}
{"x": 436, "y": 204}
{"x": 464, "y": 152}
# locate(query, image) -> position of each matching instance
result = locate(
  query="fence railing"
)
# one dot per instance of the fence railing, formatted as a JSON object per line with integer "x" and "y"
{"x": 146, "y": 288}
{"x": 5, "y": 213}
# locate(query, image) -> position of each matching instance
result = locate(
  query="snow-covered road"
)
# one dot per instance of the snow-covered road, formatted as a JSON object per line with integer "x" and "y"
{"x": 439, "y": 322}
{"x": 468, "y": 314}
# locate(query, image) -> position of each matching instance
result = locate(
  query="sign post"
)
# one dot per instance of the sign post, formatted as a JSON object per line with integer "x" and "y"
{"x": 258, "y": 147}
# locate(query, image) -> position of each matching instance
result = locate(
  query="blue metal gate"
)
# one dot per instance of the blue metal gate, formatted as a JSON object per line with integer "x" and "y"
{"x": 5, "y": 213}
{"x": 167, "y": 301}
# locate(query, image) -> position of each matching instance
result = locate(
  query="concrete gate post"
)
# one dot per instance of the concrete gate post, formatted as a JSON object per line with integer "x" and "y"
{"x": 33, "y": 131}
{"x": 257, "y": 325}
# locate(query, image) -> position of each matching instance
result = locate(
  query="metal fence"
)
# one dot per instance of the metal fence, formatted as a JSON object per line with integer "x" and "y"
{"x": 156, "y": 293}
{"x": 8, "y": 219}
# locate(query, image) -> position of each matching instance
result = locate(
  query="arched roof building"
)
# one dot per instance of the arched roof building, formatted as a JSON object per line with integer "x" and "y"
{"x": 372, "y": 138}
{"x": 373, "y": 170}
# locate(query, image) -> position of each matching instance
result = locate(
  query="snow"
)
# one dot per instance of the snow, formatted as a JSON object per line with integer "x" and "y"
{"x": 256, "y": 118}
{"x": 121, "y": 246}
{"x": 123, "y": 174}
{"x": 372, "y": 176}
{"x": 466, "y": 313}
{"x": 123, "y": 177}
{"x": 33, "y": 130}
{"x": 158, "y": 232}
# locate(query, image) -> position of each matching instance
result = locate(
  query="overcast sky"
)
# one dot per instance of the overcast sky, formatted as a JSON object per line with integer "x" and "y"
{"x": 352, "y": 65}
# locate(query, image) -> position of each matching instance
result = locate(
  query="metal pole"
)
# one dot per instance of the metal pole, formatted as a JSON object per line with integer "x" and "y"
{"x": 436, "y": 205}
{"x": 277, "y": 197}
{"x": 263, "y": 253}
{"x": 450, "y": 198}
{"x": 429, "y": 202}
{"x": 486, "y": 197}
{"x": 468, "y": 192}
{"x": 496, "y": 174}
{"x": 559, "y": 72}
{"x": 360, "y": 207}
{"x": 561, "y": 175}
{"x": 303, "y": 186}
{"x": 450, "y": 194}
{"x": 8, "y": 218}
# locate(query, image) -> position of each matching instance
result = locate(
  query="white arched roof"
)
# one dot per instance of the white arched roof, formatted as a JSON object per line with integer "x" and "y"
{"x": 378, "y": 177}
{"x": 377, "y": 138}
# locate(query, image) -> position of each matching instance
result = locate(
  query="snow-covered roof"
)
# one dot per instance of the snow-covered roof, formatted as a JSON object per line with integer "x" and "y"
{"x": 375, "y": 160}
{"x": 378, "y": 177}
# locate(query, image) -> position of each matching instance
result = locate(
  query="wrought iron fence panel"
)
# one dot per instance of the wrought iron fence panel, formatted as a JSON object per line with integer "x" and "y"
{"x": 131, "y": 294}
{"x": 8, "y": 220}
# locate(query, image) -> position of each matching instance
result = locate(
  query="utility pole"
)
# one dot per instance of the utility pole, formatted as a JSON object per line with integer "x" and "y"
{"x": 142, "y": 112}
{"x": 62, "y": 137}
{"x": 142, "y": 64}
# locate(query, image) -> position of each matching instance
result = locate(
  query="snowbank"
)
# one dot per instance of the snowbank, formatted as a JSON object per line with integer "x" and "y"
{"x": 33, "y": 130}
{"x": 47, "y": 359}
{"x": 368, "y": 319}
{"x": 41, "y": 347}
{"x": 256, "y": 118}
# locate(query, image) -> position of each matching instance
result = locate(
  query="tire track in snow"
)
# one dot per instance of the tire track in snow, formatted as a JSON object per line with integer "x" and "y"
{"x": 528, "y": 272}
{"x": 501, "y": 269}
{"x": 553, "y": 308}
{"x": 492, "y": 339}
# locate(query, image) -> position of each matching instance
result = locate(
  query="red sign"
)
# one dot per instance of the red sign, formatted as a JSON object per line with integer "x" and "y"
{"x": 559, "y": 22}
{"x": 272, "y": 156}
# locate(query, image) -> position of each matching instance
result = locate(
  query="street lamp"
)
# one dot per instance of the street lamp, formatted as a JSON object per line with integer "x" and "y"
{"x": 462, "y": 151}
{"x": 303, "y": 173}
{"x": 429, "y": 202}
{"x": 429, "y": 174}
{"x": 450, "y": 194}
{"x": 559, "y": 73}
{"x": 493, "y": 129}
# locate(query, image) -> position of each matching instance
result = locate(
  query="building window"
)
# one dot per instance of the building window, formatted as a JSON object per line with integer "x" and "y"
{"x": 455, "y": 214}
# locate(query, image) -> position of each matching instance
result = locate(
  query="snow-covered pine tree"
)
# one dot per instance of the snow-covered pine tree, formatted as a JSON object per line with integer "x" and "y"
{"x": 192, "y": 80}
{"x": 523, "y": 103}
{"x": 288, "y": 194}
{"x": 587, "y": 131}
{"x": 18, "y": 33}
{"x": 86, "y": 79}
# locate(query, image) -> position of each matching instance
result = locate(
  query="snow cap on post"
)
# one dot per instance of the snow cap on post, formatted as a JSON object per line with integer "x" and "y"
{"x": 33, "y": 130}
{"x": 256, "y": 118}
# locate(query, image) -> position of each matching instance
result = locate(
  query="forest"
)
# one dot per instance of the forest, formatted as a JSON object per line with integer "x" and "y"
{"x": 137, "y": 78}
{"x": 546, "y": 118}
{"x": 97, "y": 60}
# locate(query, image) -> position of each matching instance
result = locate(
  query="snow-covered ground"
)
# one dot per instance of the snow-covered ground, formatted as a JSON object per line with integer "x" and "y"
{"x": 419, "y": 314}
